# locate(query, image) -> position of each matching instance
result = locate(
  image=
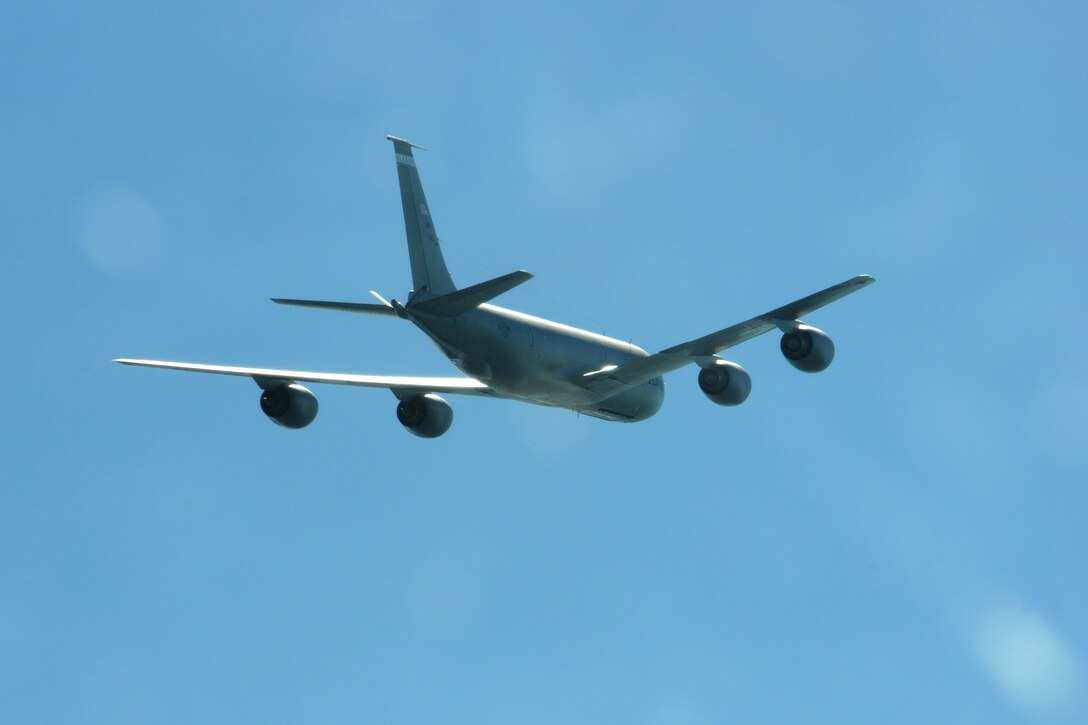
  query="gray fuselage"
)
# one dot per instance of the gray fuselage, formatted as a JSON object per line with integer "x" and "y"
{"x": 539, "y": 361}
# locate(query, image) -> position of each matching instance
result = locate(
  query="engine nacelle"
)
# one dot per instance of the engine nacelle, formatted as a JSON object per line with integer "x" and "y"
{"x": 725, "y": 383}
{"x": 808, "y": 349}
{"x": 427, "y": 416}
{"x": 289, "y": 405}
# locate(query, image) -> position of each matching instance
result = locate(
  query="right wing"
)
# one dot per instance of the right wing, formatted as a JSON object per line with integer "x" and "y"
{"x": 267, "y": 378}
{"x": 610, "y": 381}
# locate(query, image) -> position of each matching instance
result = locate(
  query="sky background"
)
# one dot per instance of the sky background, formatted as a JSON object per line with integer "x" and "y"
{"x": 899, "y": 539}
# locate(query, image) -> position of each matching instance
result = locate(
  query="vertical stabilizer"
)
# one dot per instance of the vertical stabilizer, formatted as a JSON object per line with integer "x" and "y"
{"x": 424, "y": 253}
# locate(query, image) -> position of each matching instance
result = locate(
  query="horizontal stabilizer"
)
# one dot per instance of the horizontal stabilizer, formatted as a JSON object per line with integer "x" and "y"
{"x": 456, "y": 303}
{"x": 367, "y": 308}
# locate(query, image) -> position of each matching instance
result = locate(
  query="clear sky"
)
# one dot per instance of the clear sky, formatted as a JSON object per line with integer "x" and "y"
{"x": 899, "y": 539}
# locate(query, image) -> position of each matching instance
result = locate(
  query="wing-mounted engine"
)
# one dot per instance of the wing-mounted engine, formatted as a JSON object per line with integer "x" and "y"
{"x": 426, "y": 416}
{"x": 289, "y": 405}
{"x": 808, "y": 349}
{"x": 725, "y": 382}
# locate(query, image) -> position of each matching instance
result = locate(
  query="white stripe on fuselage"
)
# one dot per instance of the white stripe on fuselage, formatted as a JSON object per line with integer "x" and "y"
{"x": 527, "y": 357}
{"x": 566, "y": 330}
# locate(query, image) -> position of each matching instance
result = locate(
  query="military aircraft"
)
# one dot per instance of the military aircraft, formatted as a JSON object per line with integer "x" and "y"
{"x": 508, "y": 354}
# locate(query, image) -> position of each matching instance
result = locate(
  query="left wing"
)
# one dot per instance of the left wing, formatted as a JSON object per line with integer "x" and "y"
{"x": 267, "y": 378}
{"x": 609, "y": 381}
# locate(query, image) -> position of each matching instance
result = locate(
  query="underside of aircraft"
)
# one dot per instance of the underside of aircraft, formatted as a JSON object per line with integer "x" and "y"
{"x": 508, "y": 354}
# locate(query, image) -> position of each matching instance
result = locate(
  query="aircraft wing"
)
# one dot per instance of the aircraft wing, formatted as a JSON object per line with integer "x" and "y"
{"x": 266, "y": 378}
{"x": 612, "y": 381}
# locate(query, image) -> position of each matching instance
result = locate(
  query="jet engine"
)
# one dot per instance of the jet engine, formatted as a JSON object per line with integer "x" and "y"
{"x": 808, "y": 349}
{"x": 725, "y": 383}
{"x": 427, "y": 416}
{"x": 289, "y": 405}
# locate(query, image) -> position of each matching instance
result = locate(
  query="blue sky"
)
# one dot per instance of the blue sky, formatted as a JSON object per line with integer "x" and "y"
{"x": 898, "y": 539}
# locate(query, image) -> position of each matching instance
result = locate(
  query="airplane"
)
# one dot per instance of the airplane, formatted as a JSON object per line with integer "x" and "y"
{"x": 509, "y": 354}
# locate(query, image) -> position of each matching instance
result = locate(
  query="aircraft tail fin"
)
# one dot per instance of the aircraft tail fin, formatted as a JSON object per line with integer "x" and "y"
{"x": 429, "y": 274}
{"x": 469, "y": 298}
